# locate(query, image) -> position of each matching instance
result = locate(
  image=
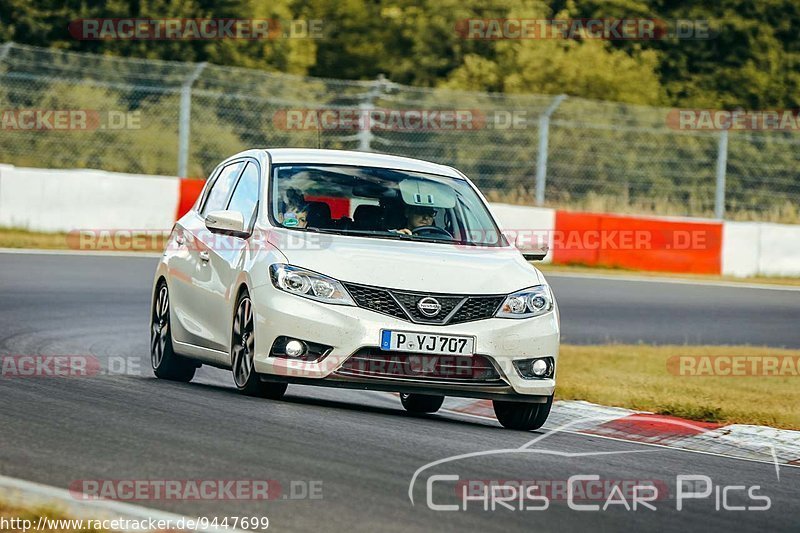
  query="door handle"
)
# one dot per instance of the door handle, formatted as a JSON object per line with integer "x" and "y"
{"x": 204, "y": 257}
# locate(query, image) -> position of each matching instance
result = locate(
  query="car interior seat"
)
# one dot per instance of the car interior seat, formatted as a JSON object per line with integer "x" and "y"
{"x": 319, "y": 215}
{"x": 368, "y": 217}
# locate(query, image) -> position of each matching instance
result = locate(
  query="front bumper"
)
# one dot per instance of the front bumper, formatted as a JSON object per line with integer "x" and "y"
{"x": 349, "y": 329}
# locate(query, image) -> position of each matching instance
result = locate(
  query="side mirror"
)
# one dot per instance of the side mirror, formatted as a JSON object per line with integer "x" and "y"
{"x": 529, "y": 252}
{"x": 227, "y": 223}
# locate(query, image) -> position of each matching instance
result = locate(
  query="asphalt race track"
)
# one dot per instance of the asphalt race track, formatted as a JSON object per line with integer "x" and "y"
{"x": 360, "y": 447}
{"x": 599, "y": 311}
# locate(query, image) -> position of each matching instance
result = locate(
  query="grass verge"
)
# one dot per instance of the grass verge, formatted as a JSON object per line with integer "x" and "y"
{"x": 648, "y": 378}
{"x": 19, "y": 238}
{"x": 106, "y": 240}
{"x": 14, "y": 516}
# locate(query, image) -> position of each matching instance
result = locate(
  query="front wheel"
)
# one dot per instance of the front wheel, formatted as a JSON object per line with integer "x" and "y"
{"x": 421, "y": 403}
{"x": 521, "y": 415}
{"x": 165, "y": 362}
{"x": 242, "y": 352}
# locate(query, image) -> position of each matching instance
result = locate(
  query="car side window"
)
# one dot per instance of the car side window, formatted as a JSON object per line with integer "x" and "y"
{"x": 221, "y": 188}
{"x": 245, "y": 197}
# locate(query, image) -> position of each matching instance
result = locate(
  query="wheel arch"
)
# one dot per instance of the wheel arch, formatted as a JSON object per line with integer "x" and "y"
{"x": 240, "y": 289}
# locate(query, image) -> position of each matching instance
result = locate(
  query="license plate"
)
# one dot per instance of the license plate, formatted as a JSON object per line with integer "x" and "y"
{"x": 409, "y": 341}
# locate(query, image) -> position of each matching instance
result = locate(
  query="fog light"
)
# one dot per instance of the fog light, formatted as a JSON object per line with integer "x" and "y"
{"x": 539, "y": 368}
{"x": 295, "y": 348}
{"x": 299, "y": 349}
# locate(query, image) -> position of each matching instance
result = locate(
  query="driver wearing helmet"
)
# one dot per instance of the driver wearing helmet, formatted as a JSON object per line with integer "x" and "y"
{"x": 417, "y": 217}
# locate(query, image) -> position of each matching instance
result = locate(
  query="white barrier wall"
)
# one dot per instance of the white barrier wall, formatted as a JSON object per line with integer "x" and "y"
{"x": 760, "y": 248}
{"x": 740, "y": 248}
{"x": 779, "y": 250}
{"x": 520, "y": 218}
{"x": 64, "y": 200}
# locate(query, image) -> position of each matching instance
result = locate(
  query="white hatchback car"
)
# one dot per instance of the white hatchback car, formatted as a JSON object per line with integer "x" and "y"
{"x": 356, "y": 270}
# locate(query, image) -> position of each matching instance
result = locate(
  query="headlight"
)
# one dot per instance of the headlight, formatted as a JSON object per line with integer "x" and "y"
{"x": 309, "y": 284}
{"x": 535, "y": 301}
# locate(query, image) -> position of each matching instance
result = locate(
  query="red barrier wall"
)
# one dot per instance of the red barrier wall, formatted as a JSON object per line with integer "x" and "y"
{"x": 572, "y": 224}
{"x": 190, "y": 190}
{"x": 640, "y": 243}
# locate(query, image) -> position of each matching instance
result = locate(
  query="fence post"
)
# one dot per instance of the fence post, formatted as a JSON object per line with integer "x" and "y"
{"x": 5, "y": 49}
{"x": 541, "y": 159}
{"x": 365, "y": 109}
{"x": 722, "y": 165}
{"x": 184, "y": 119}
{"x": 364, "y": 128}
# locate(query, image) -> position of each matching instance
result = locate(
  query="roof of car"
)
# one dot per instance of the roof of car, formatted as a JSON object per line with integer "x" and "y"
{"x": 367, "y": 159}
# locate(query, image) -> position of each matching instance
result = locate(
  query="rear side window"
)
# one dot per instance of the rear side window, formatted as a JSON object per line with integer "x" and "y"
{"x": 220, "y": 190}
{"x": 245, "y": 197}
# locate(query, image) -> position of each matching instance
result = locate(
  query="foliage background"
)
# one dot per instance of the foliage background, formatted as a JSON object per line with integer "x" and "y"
{"x": 752, "y": 60}
{"x": 609, "y": 147}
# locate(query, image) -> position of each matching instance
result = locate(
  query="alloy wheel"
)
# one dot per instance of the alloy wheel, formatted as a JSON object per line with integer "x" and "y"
{"x": 243, "y": 343}
{"x": 159, "y": 327}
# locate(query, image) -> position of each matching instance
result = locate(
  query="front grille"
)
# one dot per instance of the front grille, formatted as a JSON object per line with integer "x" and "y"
{"x": 377, "y": 363}
{"x": 376, "y": 299}
{"x": 456, "y": 308}
{"x": 477, "y": 308}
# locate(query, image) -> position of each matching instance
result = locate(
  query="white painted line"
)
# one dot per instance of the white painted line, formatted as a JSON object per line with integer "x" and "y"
{"x": 28, "y": 494}
{"x": 677, "y": 281}
{"x": 81, "y": 253}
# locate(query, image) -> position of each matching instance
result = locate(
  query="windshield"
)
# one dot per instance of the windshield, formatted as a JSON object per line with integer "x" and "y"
{"x": 380, "y": 203}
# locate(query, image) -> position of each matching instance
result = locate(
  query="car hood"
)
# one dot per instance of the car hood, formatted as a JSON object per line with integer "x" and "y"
{"x": 414, "y": 266}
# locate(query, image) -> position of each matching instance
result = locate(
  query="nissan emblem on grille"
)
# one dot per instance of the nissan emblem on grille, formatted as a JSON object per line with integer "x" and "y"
{"x": 429, "y": 307}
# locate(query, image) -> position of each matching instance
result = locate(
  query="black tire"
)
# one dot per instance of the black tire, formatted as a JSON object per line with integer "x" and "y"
{"x": 243, "y": 343}
{"x": 521, "y": 415}
{"x": 165, "y": 362}
{"x": 421, "y": 403}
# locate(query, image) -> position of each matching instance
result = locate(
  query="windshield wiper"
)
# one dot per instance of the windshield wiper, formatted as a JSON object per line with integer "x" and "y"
{"x": 378, "y": 234}
{"x": 353, "y": 231}
{"x": 362, "y": 232}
